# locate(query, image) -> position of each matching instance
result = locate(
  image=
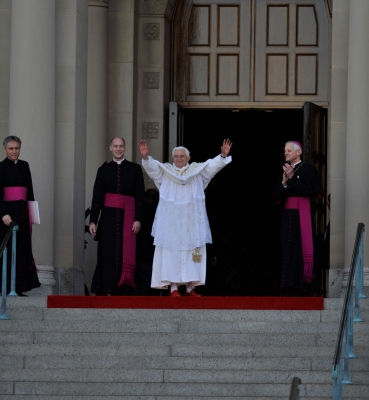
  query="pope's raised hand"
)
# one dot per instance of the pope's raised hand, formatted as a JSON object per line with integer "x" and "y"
{"x": 144, "y": 149}
{"x": 226, "y": 148}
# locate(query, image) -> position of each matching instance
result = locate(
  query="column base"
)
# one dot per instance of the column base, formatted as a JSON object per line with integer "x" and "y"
{"x": 345, "y": 274}
{"x": 48, "y": 284}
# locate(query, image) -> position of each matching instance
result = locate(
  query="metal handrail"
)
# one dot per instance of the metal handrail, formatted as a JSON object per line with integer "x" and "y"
{"x": 295, "y": 389}
{"x": 4, "y": 252}
{"x": 346, "y": 323}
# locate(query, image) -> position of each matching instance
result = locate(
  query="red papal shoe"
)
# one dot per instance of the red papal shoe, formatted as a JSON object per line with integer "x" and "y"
{"x": 175, "y": 293}
{"x": 192, "y": 294}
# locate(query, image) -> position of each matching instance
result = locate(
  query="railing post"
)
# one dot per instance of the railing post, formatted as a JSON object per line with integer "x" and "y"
{"x": 14, "y": 261}
{"x": 337, "y": 381}
{"x": 4, "y": 285}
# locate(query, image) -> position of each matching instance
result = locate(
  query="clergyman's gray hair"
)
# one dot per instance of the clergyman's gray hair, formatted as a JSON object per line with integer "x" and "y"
{"x": 295, "y": 146}
{"x": 181, "y": 148}
{"x": 12, "y": 139}
{"x": 117, "y": 137}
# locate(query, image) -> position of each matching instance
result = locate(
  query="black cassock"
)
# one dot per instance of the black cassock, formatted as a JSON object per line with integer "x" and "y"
{"x": 304, "y": 183}
{"x": 125, "y": 179}
{"x": 18, "y": 174}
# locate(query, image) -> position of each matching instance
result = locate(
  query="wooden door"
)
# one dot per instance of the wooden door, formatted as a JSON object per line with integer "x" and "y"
{"x": 315, "y": 153}
{"x": 212, "y": 51}
{"x": 242, "y": 52}
{"x": 292, "y": 50}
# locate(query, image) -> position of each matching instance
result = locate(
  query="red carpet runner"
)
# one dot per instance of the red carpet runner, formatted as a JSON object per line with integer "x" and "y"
{"x": 182, "y": 303}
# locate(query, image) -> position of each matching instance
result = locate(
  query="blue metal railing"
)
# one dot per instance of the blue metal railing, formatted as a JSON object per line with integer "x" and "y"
{"x": 346, "y": 331}
{"x": 4, "y": 252}
{"x": 295, "y": 388}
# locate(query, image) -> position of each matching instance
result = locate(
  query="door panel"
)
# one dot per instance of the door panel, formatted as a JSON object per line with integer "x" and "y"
{"x": 292, "y": 51}
{"x": 244, "y": 51}
{"x": 315, "y": 153}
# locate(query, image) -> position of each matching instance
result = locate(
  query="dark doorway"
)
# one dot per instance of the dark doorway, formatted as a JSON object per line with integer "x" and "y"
{"x": 244, "y": 259}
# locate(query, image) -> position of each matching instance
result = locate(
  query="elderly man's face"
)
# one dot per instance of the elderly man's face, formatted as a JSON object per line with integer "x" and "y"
{"x": 291, "y": 155}
{"x": 118, "y": 148}
{"x": 12, "y": 150}
{"x": 180, "y": 159}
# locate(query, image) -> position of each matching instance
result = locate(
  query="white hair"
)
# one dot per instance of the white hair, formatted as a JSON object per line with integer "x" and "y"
{"x": 295, "y": 146}
{"x": 181, "y": 148}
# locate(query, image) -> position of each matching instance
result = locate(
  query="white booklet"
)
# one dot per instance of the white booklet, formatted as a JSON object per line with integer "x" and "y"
{"x": 34, "y": 214}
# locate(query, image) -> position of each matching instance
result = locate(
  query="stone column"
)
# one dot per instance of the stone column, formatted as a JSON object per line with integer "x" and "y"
{"x": 32, "y": 112}
{"x": 97, "y": 109}
{"x": 357, "y": 138}
{"x": 153, "y": 92}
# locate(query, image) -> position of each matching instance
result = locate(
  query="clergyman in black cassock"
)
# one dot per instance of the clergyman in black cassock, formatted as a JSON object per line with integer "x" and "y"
{"x": 121, "y": 180}
{"x": 298, "y": 183}
{"x": 15, "y": 175}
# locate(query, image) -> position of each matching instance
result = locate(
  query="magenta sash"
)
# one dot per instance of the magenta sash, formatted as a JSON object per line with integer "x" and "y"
{"x": 303, "y": 205}
{"x": 129, "y": 238}
{"x": 15, "y": 193}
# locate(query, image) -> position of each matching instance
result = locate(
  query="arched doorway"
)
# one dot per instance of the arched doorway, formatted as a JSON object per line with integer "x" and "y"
{"x": 243, "y": 70}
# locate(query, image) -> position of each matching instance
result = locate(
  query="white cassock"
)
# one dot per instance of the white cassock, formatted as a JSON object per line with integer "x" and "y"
{"x": 181, "y": 226}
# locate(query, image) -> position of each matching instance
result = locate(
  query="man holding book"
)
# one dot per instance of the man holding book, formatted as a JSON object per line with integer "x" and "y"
{"x": 16, "y": 191}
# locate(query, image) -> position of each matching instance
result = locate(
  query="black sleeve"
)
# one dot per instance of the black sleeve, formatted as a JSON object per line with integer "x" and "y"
{"x": 98, "y": 197}
{"x": 139, "y": 194}
{"x": 3, "y": 208}
{"x": 30, "y": 194}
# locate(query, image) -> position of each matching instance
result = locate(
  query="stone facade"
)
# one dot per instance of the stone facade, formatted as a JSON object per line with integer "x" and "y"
{"x": 102, "y": 68}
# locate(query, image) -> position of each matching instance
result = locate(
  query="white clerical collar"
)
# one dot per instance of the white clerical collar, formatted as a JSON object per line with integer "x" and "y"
{"x": 119, "y": 162}
{"x": 298, "y": 162}
{"x": 181, "y": 169}
{"x": 12, "y": 160}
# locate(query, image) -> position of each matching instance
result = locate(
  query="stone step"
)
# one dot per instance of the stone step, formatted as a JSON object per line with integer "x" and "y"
{"x": 183, "y": 376}
{"x": 181, "y": 363}
{"x": 169, "y": 362}
{"x": 184, "y": 315}
{"x": 165, "y": 391}
{"x": 177, "y": 350}
{"x": 91, "y": 397}
{"x": 136, "y": 325}
{"x": 164, "y": 338}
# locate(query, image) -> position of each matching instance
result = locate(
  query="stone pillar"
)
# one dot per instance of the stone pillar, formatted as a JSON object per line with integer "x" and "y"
{"x": 123, "y": 73}
{"x": 153, "y": 92}
{"x": 357, "y": 138}
{"x": 337, "y": 142}
{"x": 70, "y": 145}
{"x": 97, "y": 110}
{"x": 32, "y": 111}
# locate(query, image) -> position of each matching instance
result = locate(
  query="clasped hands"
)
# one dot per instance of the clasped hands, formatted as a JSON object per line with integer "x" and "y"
{"x": 288, "y": 172}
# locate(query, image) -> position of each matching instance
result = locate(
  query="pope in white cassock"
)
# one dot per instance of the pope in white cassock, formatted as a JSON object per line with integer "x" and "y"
{"x": 181, "y": 226}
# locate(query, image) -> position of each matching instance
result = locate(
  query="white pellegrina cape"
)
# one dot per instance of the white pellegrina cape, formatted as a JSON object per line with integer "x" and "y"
{"x": 181, "y": 224}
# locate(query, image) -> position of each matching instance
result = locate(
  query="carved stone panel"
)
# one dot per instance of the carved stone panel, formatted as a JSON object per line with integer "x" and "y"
{"x": 151, "y": 31}
{"x": 151, "y": 80}
{"x": 150, "y": 130}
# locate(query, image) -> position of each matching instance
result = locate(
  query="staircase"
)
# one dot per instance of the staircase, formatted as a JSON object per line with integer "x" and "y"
{"x": 103, "y": 354}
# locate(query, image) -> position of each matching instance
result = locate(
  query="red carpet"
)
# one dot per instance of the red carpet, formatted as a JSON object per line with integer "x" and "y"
{"x": 182, "y": 303}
